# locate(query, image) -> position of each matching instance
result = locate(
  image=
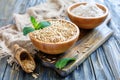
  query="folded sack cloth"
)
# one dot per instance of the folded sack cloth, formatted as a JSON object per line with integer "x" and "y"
{"x": 12, "y": 34}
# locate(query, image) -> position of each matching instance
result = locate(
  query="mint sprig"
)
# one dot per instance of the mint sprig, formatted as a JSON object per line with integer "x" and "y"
{"x": 63, "y": 62}
{"x": 26, "y": 30}
{"x": 36, "y": 25}
{"x": 34, "y": 22}
{"x": 43, "y": 24}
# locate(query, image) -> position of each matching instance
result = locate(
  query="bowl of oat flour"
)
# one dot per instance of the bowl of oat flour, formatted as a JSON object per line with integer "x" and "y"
{"x": 87, "y": 15}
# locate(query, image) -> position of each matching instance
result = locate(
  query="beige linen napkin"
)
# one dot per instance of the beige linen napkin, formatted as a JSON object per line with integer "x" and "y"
{"x": 13, "y": 34}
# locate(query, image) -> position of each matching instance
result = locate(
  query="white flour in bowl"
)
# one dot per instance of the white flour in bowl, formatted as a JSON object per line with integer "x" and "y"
{"x": 88, "y": 10}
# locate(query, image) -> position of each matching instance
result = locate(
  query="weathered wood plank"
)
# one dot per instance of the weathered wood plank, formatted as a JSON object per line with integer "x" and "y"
{"x": 112, "y": 47}
{"x": 3, "y": 65}
{"x": 9, "y": 7}
{"x": 6, "y": 11}
{"x": 112, "y": 57}
{"x": 102, "y": 71}
{"x": 9, "y": 73}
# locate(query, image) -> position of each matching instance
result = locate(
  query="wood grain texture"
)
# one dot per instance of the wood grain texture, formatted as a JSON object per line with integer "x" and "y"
{"x": 103, "y": 64}
{"x": 3, "y": 65}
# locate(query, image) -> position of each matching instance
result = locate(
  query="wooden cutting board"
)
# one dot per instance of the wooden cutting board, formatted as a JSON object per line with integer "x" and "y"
{"x": 88, "y": 42}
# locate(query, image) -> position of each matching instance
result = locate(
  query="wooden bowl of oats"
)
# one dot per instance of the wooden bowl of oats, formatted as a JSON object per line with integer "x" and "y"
{"x": 56, "y": 38}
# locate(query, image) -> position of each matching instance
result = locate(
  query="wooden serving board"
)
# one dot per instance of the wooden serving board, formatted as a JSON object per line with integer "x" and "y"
{"x": 88, "y": 42}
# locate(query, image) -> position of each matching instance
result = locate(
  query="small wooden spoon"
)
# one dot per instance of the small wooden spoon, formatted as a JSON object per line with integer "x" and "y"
{"x": 24, "y": 58}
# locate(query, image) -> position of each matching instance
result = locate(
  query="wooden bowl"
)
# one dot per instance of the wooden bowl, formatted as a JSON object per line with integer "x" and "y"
{"x": 87, "y": 22}
{"x": 59, "y": 47}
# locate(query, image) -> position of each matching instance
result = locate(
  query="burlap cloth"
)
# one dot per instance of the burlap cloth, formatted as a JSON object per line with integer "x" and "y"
{"x": 13, "y": 34}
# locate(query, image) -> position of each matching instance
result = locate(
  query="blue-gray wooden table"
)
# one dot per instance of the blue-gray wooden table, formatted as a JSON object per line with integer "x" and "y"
{"x": 103, "y": 64}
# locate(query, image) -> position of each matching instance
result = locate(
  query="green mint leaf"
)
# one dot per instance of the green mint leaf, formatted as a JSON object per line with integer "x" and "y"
{"x": 43, "y": 24}
{"x": 63, "y": 62}
{"x": 38, "y": 25}
{"x": 27, "y": 30}
{"x": 34, "y": 22}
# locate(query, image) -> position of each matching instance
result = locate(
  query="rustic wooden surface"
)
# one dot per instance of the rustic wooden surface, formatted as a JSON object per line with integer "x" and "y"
{"x": 103, "y": 64}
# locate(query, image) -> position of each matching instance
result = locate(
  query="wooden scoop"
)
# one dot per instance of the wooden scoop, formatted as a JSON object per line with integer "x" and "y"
{"x": 24, "y": 58}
